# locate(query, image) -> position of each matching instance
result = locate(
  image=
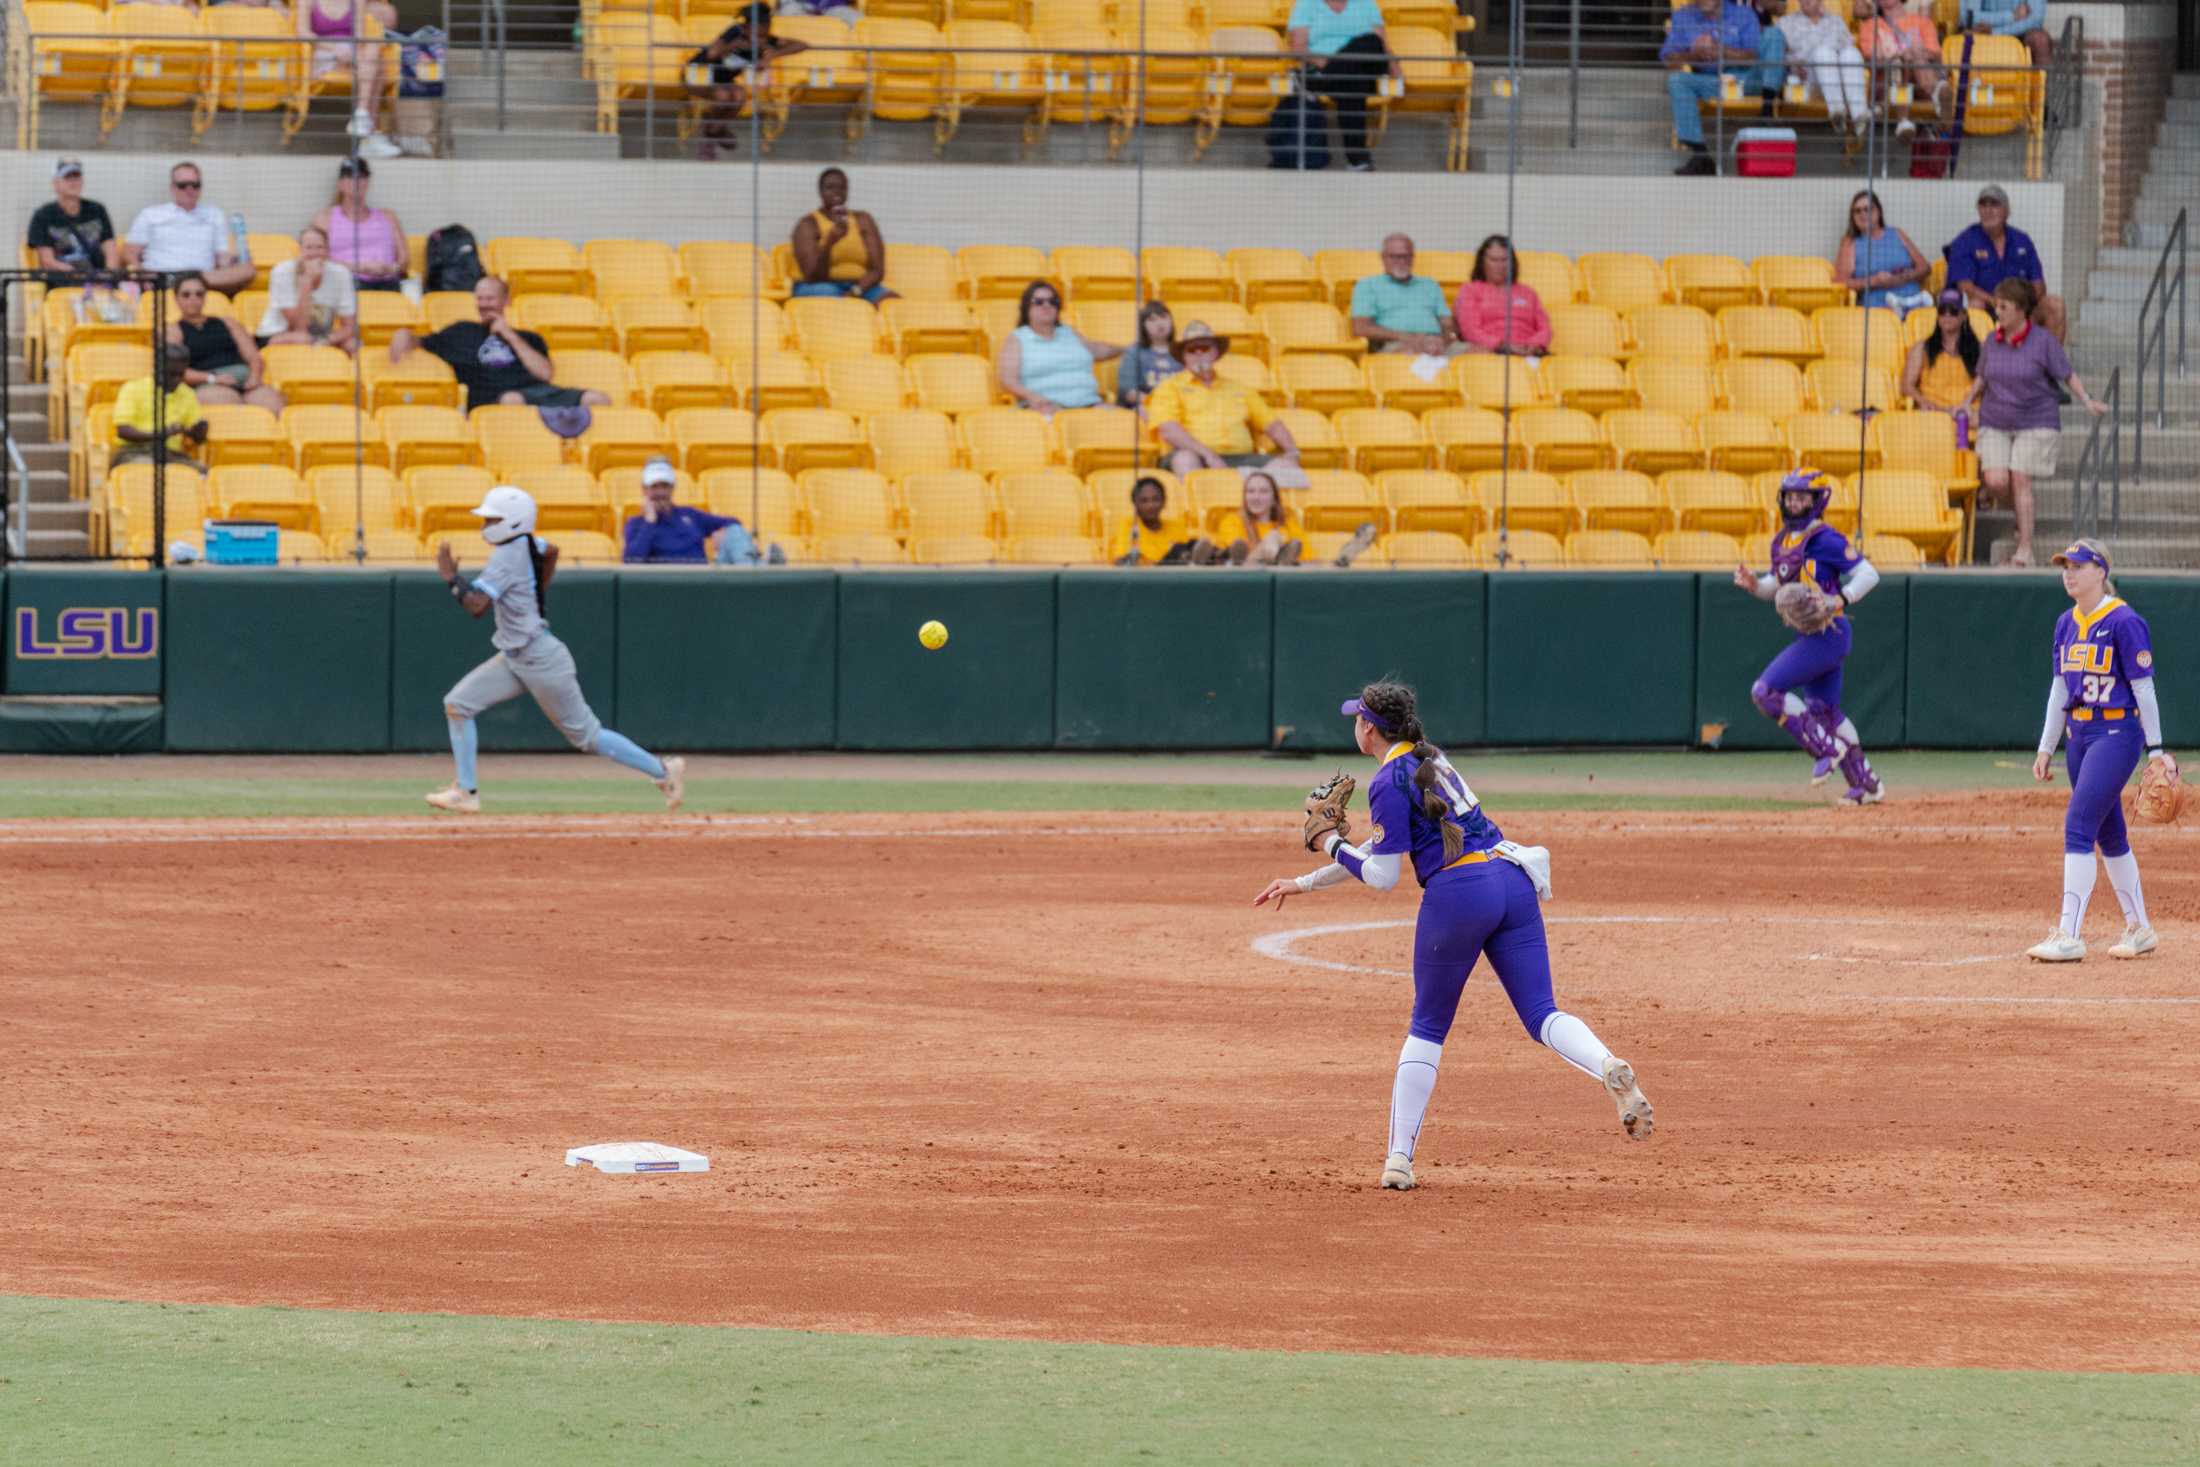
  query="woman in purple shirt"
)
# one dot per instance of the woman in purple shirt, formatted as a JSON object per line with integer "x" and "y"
{"x": 2017, "y": 408}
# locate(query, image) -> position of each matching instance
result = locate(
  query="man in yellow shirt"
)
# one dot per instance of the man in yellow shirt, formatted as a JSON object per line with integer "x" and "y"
{"x": 185, "y": 427}
{"x": 1208, "y": 423}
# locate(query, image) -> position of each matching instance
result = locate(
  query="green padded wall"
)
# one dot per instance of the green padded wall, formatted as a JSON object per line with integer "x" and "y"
{"x": 990, "y": 687}
{"x": 1979, "y": 658}
{"x": 1736, "y": 635}
{"x": 83, "y": 631}
{"x": 1338, "y": 630}
{"x": 433, "y": 644}
{"x": 2171, "y": 605}
{"x": 1591, "y": 659}
{"x": 1162, "y": 659}
{"x": 266, "y": 659}
{"x": 716, "y": 659}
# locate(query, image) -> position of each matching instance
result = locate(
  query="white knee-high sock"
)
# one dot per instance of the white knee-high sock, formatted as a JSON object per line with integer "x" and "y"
{"x": 1576, "y": 1043}
{"x": 2079, "y": 874}
{"x": 1409, "y": 1093}
{"x": 2123, "y": 874}
{"x": 1846, "y": 732}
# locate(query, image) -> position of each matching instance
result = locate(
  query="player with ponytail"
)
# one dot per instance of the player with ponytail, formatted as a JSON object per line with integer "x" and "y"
{"x": 1480, "y": 897}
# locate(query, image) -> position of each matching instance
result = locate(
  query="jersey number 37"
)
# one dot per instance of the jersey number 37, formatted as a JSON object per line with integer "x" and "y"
{"x": 2096, "y": 688}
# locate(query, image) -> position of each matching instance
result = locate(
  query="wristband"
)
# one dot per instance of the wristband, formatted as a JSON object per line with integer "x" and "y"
{"x": 458, "y": 589}
{"x": 1329, "y": 846}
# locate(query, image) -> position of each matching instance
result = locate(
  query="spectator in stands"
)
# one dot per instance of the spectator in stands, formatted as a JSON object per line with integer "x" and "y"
{"x": 496, "y": 361}
{"x": 1209, "y": 423}
{"x": 311, "y": 300}
{"x": 837, "y": 250}
{"x": 1708, "y": 38}
{"x": 1496, "y": 311}
{"x": 1994, "y": 250}
{"x": 746, "y": 44}
{"x": 1880, "y": 264}
{"x": 368, "y": 242}
{"x": 186, "y": 233}
{"x": 1045, "y": 365}
{"x": 2017, "y": 407}
{"x": 1148, "y": 534}
{"x": 2024, "y": 19}
{"x": 665, "y": 533}
{"x": 1820, "y": 51}
{"x": 1345, "y": 51}
{"x": 73, "y": 235}
{"x": 184, "y": 428}
{"x": 339, "y": 36}
{"x": 1898, "y": 38}
{"x": 1260, "y": 531}
{"x": 1940, "y": 369}
{"x": 1147, "y": 361}
{"x": 841, "y": 10}
{"x": 1771, "y": 50}
{"x": 1401, "y": 311}
{"x": 221, "y": 360}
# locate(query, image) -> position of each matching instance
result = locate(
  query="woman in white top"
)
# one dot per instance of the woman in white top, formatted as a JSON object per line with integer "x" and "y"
{"x": 312, "y": 300}
{"x": 1821, "y": 51}
{"x": 1044, "y": 364}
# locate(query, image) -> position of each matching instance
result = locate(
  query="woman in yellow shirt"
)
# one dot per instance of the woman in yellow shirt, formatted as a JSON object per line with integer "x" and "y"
{"x": 1148, "y": 533}
{"x": 1260, "y": 531}
{"x": 1941, "y": 368}
{"x": 839, "y": 250}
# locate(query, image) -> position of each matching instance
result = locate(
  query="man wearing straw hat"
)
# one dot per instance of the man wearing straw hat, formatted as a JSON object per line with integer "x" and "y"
{"x": 1209, "y": 423}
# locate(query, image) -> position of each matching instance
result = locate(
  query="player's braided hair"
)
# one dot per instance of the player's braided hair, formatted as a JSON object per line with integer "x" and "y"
{"x": 1395, "y": 705}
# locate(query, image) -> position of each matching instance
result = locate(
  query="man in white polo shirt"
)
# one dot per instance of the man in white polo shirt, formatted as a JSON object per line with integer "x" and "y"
{"x": 186, "y": 233}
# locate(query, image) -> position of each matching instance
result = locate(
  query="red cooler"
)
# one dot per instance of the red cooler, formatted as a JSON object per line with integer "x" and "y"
{"x": 1765, "y": 152}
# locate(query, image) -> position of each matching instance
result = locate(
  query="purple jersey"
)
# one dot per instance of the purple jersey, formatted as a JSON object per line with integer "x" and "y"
{"x": 2097, "y": 656}
{"x": 1402, "y": 825}
{"x": 1817, "y": 553}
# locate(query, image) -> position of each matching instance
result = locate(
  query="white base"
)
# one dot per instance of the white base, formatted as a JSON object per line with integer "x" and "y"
{"x": 626, "y": 1157}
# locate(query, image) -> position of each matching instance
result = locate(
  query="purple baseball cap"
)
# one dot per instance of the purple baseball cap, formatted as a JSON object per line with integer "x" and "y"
{"x": 2080, "y": 555}
{"x": 1354, "y": 708}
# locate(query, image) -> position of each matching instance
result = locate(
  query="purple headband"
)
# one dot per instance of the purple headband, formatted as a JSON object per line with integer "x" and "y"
{"x": 2081, "y": 555}
{"x": 1354, "y": 708}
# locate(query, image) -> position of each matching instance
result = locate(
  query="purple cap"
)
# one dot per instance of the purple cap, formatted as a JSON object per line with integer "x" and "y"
{"x": 1950, "y": 297}
{"x": 1354, "y": 708}
{"x": 2080, "y": 555}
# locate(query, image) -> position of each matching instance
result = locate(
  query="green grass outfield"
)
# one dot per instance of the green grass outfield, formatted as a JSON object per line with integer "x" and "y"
{"x": 125, "y": 1383}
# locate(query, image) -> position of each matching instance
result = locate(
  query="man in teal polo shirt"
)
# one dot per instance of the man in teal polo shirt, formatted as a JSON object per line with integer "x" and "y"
{"x": 1401, "y": 311}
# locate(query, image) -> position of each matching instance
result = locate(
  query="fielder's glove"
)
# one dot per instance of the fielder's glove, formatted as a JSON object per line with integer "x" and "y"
{"x": 1805, "y": 608}
{"x": 2162, "y": 795}
{"x": 1325, "y": 811}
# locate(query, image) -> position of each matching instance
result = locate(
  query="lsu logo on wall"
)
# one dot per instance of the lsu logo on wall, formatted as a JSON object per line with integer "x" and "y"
{"x": 89, "y": 634}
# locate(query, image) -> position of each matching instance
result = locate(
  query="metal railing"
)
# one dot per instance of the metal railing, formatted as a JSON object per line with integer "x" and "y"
{"x": 2102, "y": 457}
{"x": 2065, "y": 88}
{"x": 2168, "y": 284}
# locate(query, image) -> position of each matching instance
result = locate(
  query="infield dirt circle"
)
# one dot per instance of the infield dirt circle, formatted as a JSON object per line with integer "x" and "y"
{"x": 1030, "y": 1076}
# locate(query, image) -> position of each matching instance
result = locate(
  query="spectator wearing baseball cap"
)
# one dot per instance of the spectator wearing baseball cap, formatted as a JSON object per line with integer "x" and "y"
{"x": 1208, "y": 422}
{"x": 1994, "y": 250}
{"x": 73, "y": 235}
{"x": 369, "y": 242}
{"x": 1940, "y": 369}
{"x": 665, "y": 533}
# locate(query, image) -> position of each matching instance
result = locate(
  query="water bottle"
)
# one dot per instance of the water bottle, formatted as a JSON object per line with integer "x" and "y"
{"x": 1963, "y": 431}
{"x": 238, "y": 237}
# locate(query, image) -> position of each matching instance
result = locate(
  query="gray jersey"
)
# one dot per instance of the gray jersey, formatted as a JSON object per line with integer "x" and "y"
{"x": 509, "y": 582}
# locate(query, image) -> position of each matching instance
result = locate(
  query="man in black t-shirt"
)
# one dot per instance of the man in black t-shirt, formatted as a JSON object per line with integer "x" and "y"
{"x": 73, "y": 235}
{"x": 494, "y": 360}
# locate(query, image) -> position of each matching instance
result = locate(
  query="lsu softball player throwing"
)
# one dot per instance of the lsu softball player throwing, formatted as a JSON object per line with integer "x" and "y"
{"x": 1816, "y": 576}
{"x": 2103, "y": 689}
{"x": 528, "y": 659}
{"x": 1479, "y": 897}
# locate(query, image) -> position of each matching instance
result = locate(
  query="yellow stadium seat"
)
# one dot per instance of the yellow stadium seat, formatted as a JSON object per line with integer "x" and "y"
{"x": 239, "y": 433}
{"x": 129, "y": 496}
{"x": 66, "y": 56}
{"x": 588, "y": 547}
{"x": 1427, "y": 550}
{"x": 93, "y": 372}
{"x": 2005, "y": 93}
{"x": 1450, "y": 269}
{"x": 565, "y": 322}
{"x": 620, "y": 436}
{"x": 1006, "y": 440}
{"x": 1715, "y": 501}
{"x": 1652, "y": 442}
{"x": 1111, "y": 321}
{"x": 644, "y": 269}
{"x": 1526, "y": 500}
{"x": 600, "y": 371}
{"x": 381, "y": 546}
{"x": 441, "y": 307}
{"x": 1252, "y": 71}
{"x": 1054, "y": 550}
{"x": 1698, "y": 550}
{"x": 667, "y": 380}
{"x": 1085, "y": 67}
{"x": 1921, "y": 323}
{"x": 1625, "y": 282}
{"x": 845, "y": 502}
{"x": 1184, "y": 275}
{"x": 999, "y": 272}
{"x": 921, "y": 327}
{"x": 1587, "y": 331}
{"x": 622, "y": 490}
{"x": 512, "y": 440}
{"x": 766, "y": 501}
{"x": 1741, "y": 442}
{"x": 443, "y": 496}
{"x": 1339, "y": 499}
{"x": 1711, "y": 282}
{"x": 1847, "y": 387}
{"x": 1393, "y": 383}
{"x": 1913, "y": 506}
{"x": 264, "y": 492}
{"x": 656, "y": 323}
{"x": 865, "y": 384}
{"x": 301, "y": 547}
{"x": 1047, "y": 503}
{"x": 826, "y": 327}
{"x": 1768, "y": 331}
{"x": 1469, "y": 440}
{"x": 1552, "y": 277}
{"x": 1595, "y": 385}
{"x": 1308, "y": 326}
{"x": 322, "y": 434}
{"x": 1429, "y": 500}
{"x": 859, "y": 550}
{"x": 1254, "y": 375}
{"x": 571, "y": 498}
{"x": 955, "y": 550}
{"x": 1677, "y": 333}
{"x": 743, "y": 327}
{"x": 1499, "y": 383}
{"x": 537, "y": 266}
{"x": 310, "y": 374}
{"x": 996, "y": 317}
{"x": 345, "y": 498}
{"x": 1926, "y": 442}
{"x": 258, "y": 66}
{"x": 1203, "y": 498}
{"x": 1095, "y": 273}
{"x": 1764, "y": 385}
{"x": 915, "y": 440}
{"x": 420, "y": 380}
{"x": 953, "y": 383}
{"x": 1619, "y": 499}
{"x": 1322, "y": 383}
{"x": 1436, "y": 80}
{"x": 1854, "y": 334}
{"x": 1100, "y": 438}
{"x": 1269, "y": 13}
{"x": 949, "y": 504}
{"x": 908, "y": 67}
{"x": 707, "y": 439}
{"x": 1891, "y": 552}
{"x": 1688, "y": 389}
{"x": 1382, "y": 439}
{"x": 1609, "y": 550}
{"x": 1838, "y": 443}
{"x": 815, "y": 438}
{"x": 1561, "y": 440}
{"x": 1266, "y": 276}
{"x": 717, "y": 269}
{"x": 166, "y": 61}
{"x": 418, "y": 436}
{"x": 778, "y": 379}
{"x": 631, "y": 54}
{"x": 1316, "y": 436}
{"x": 1798, "y": 282}
{"x": 1519, "y": 550}
{"x": 995, "y": 68}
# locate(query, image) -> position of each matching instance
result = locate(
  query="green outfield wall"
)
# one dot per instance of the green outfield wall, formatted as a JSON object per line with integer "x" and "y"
{"x": 209, "y": 659}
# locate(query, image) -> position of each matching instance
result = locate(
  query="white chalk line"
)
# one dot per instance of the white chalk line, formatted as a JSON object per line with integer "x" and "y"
{"x": 448, "y": 829}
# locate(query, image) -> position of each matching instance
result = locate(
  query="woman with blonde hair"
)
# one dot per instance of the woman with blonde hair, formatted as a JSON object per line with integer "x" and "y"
{"x": 1261, "y": 530}
{"x": 367, "y": 241}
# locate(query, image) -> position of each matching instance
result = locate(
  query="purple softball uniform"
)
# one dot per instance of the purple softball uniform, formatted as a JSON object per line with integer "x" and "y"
{"x": 1403, "y": 826}
{"x": 2097, "y": 657}
{"x": 1817, "y": 553}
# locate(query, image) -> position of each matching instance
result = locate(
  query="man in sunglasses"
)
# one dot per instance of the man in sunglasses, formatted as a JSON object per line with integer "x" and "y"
{"x": 185, "y": 234}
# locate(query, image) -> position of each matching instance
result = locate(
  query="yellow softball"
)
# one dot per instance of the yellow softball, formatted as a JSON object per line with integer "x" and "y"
{"x": 933, "y": 634}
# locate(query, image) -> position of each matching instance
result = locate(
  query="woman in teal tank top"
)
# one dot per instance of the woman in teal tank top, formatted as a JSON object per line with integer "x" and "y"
{"x": 1045, "y": 365}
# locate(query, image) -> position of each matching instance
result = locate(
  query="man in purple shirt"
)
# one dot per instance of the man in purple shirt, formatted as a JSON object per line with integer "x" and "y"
{"x": 1708, "y": 38}
{"x": 665, "y": 532}
{"x": 1994, "y": 250}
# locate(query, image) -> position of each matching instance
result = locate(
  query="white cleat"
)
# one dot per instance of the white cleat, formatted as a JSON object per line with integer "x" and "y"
{"x": 2138, "y": 938}
{"x": 675, "y": 782}
{"x": 456, "y": 800}
{"x": 2060, "y": 947}
{"x": 1634, "y": 1107}
{"x": 1398, "y": 1172}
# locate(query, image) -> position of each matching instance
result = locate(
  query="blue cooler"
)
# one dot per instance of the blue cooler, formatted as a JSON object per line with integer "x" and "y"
{"x": 242, "y": 542}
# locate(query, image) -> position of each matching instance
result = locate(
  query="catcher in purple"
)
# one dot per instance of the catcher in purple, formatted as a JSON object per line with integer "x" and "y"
{"x": 1816, "y": 577}
{"x": 1479, "y": 897}
{"x": 2103, "y": 690}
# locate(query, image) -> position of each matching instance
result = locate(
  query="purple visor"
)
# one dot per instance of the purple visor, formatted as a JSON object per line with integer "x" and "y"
{"x": 2081, "y": 555}
{"x": 1354, "y": 708}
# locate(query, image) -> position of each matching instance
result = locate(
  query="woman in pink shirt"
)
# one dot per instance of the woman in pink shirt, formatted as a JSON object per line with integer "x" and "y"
{"x": 1496, "y": 312}
{"x": 369, "y": 242}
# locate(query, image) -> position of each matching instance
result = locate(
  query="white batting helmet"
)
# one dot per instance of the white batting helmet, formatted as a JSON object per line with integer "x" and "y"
{"x": 514, "y": 510}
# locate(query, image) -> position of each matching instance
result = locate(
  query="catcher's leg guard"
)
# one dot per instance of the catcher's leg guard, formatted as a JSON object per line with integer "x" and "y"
{"x": 1841, "y": 733}
{"x": 1791, "y": 714}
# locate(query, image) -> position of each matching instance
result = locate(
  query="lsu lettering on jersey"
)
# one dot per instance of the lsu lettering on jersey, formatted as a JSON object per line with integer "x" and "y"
{"x": 1402, "y": 825}
{"x": 2097, "y": 656}
{"x": 1817, "y": 553}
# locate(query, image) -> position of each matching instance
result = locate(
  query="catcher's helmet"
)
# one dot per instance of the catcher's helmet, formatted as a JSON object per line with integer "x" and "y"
{"x": 512, "y": 508}
{"x": 1811, "y": 482}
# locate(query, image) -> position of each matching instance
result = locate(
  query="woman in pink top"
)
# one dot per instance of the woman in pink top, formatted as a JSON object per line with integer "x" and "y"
{"x": 370, "y": 242}
{"x": 339, "y": 36}
{"x": 1897, "y": 37}
{"x": 1496, "y": 312}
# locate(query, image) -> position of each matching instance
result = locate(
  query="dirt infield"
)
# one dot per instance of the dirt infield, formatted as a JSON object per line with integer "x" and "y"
{"x": 1026, "y": 1076}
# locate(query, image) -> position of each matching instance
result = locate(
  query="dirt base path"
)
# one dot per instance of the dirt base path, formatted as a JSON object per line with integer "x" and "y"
{"x": 1031, "y": 1077}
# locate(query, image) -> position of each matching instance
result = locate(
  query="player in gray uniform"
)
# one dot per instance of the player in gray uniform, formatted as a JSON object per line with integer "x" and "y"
{"x": 528, "y": 658}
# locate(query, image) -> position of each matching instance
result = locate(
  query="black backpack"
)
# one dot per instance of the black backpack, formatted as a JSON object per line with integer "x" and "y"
{"x": 1286, "y": 147}
{"x": 454, "y": 263}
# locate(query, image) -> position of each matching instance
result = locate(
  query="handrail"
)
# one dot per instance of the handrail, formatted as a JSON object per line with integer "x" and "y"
{"x": 2065, "y": 88}
{"x": 2085, "y": 497}
{"x": 2154, "y": 342}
